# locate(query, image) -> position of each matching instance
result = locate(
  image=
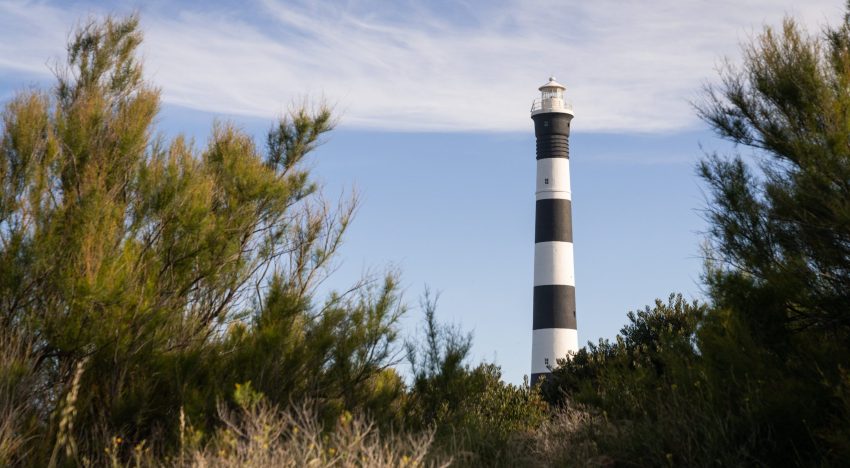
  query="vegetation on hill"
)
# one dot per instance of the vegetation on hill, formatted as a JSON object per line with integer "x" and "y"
{"x": 158, "y": 301}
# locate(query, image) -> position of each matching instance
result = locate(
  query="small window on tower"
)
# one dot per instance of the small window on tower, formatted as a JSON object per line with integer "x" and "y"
{"x": 545, "y": 123}
{"x": 546, "y": 181}
{"x": 546, "y": 361}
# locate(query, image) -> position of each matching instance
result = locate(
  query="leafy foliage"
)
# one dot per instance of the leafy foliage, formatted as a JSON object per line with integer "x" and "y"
{"x": 648, "y": 399}
{"x": 643, "y": 351}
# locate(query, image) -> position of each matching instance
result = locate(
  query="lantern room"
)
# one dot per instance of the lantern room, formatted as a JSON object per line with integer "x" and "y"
{"x": 551, "y": 99}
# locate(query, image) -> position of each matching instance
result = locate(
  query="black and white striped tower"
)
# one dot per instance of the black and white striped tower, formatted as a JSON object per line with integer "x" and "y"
{"x": 554, "y": 330}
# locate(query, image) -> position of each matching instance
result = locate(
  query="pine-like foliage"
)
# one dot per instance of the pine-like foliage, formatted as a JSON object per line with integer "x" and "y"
{"x": 785, "y": 223}
{"x": 146, "y": 276}
{"x": 779, "y": 252}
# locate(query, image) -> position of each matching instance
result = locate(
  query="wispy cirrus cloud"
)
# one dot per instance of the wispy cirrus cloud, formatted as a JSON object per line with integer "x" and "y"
{"x": 468, "y": 66}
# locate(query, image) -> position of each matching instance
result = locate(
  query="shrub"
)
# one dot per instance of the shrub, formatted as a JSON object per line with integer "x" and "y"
{"x": 479, "y": 419}
{"x": 173, "y": 272}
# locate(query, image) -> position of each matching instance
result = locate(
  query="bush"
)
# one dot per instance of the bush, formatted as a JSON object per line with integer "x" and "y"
{"x": 643, "y": 353}
{"x": 149, "y": 276}
{"x": 651, "y": 399}
{"x": 479, "y": 419}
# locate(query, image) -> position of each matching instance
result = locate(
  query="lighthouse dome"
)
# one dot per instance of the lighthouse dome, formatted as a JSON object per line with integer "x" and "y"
{"x": 552, "y": 85}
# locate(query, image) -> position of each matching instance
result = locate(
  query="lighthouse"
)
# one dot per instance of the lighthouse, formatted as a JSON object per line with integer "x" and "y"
{"x": 554, "y": 324}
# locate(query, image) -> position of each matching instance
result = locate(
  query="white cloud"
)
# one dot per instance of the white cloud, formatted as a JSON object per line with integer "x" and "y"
{"x": 629, "y": 65}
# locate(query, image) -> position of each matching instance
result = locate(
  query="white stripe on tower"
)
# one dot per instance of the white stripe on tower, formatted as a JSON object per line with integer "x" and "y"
{"x": 551, "y": 342}
{"x": 553, "y": 178}
{"x": 551, "y": 263}
{"x": 554, "y": 333}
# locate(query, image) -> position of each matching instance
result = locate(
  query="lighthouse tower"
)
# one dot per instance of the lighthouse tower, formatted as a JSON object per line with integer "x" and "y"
{"x": 554, "y": 329}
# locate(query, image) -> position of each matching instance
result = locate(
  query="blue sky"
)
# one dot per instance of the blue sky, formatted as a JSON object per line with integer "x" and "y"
{"x": 435, "y": 132}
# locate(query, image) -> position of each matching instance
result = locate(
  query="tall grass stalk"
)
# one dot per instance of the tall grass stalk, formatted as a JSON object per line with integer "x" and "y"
{"x": 65, "y": 434}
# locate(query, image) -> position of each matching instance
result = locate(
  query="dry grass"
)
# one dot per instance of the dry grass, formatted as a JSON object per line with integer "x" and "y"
{"x": 17, "y": 362}
{"x": 568, "y": 439}
{"x": 262, "y": 436}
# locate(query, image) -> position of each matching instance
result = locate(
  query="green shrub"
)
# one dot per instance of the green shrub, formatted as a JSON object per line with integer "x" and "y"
{"x": 479, "y": 419}
{"x": 173, "y": 272}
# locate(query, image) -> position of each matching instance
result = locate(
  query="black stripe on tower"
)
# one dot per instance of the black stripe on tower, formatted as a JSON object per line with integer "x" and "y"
{"x": 554, "y": 306}
{"x": 552, "y": 131}
{"x": 553, "y": 220}
{"x": 553, "y": 146}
